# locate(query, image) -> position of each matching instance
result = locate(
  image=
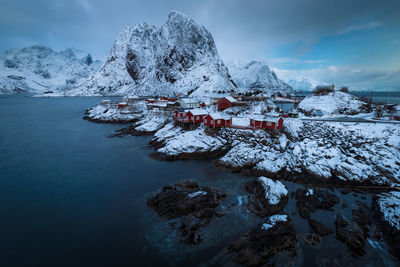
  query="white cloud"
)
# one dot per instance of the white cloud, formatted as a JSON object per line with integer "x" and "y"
{"x": 360, "y": 27}
{"x": 292, "y": 60}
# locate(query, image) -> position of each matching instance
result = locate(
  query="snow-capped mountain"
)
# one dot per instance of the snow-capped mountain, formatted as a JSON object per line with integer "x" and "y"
{"x": 256, "y": 76}
{"x": 305, "y": 84}
{"x": 37, "y": 69}
{"x": 178, "y": 57}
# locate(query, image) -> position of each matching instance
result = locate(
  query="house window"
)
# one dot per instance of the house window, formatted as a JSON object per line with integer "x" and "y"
{"x": 197, "y": 117}
{"x": 218, "y": 121}
{"x": 212, "y": 121}
{"x": 268, "y": 123}
{"x": 205, "y": 120}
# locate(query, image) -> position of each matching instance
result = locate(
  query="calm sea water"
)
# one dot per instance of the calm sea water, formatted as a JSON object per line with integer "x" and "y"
{"x": 70, "y": 196}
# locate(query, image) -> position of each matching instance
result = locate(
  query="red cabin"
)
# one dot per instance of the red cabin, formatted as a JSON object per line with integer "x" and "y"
{"x": 217, "y": 120}
{"x": 226, "y": 102}
{"x": 180, "y": 113}
{"x": 150, "y": 100}
{"x": 122, "y": 105}
{"x": 202, "y": 105}
{"x": 196, "y": 115}
{"x": 267, "y": 123}
{"x": 164, "y": 98}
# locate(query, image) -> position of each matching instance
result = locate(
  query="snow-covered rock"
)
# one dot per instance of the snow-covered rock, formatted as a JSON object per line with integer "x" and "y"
{"x": 38, "y": 69}
{"x": 274, "y": 190}
{"x": 273, "y": 220}
{"x": 305, "y": 84}
{"x": 331, "y": 103}
{"x": 256, "y": 77}
{"x": 178, "y": 57}
{"x": 389, "y": 206}
{"x": 346, "y": 152}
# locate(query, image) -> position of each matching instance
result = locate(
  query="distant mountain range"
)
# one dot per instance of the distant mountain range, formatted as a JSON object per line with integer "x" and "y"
{"x": 37, "y": 69}
{"x": 178, "y": 57}
{"x": 305, "y": 84}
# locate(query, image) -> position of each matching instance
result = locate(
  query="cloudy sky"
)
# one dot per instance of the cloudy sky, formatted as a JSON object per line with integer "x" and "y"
{"x": 354, "y": 43}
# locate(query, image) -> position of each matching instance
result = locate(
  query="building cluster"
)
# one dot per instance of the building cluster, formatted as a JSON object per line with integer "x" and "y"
{"x": 194, "y": 117}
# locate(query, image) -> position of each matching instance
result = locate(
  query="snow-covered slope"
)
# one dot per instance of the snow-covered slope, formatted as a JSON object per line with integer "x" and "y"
{"x": 178, "y": 57}
{"x": 256, "y": 76}
{"x": 343, "y": 152}
{"x": 304, "y": 84}
{"x": 331, "y": 103}
{"x": 38, "y": 68}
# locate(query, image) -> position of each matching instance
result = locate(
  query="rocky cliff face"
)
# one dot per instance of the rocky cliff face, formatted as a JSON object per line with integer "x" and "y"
{"x": 178, "y": 57}
{"x": 38, "y": 68}
{"x": 256, "y": 77}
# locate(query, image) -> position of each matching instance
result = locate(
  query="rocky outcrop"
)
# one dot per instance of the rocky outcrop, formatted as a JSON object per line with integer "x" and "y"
{"x": 305, "y": 152}
{"x": 188, "y": 207}
{"x": 266, "y": 197}
{"x": 319, "y": 227}
{"x": 353, "y": 237}
{"x": 259, "y": 245}
{"x": 178, "y": 57}
{"x": 310, "y": 200}
{"x": 388, "y": 210}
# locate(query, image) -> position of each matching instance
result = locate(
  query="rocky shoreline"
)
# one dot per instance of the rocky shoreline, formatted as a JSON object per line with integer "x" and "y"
{"x": 258, "y": 153}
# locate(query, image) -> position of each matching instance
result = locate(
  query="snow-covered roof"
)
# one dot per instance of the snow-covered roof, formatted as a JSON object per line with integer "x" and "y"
{"x": 198, "y": 111}
{"x": 122, "y": 103}
{"x": 218, "y": 95}
{"x": 230, "y": 99}
{"x": 189, "y": 100}
{"x": 263, "y": 118}
{"x": 217, "y": 116}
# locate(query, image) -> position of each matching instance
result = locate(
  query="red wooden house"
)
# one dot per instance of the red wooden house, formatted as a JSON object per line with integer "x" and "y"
{"x": 196, "y": 115}
{"x": 164, "y": 98}
{"x": 179, "y": 113}
{"x": 267, "y": 123}
{"x": 122, "y": 105}
{"x": 226, "y": 102}
{"x": 217, "y": 120}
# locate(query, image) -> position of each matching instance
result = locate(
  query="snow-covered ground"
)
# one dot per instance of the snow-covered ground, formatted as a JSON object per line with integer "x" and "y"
{"x": 145, "y": 121}
{"x": 331, "y": 103}
{"x": 345, "y": 152}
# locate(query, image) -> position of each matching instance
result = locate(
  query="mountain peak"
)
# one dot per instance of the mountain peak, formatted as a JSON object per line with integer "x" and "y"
{"x": 178, "y": 57}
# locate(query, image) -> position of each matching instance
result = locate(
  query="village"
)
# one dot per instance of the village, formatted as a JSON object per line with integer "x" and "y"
{"x": 266, "y": 112}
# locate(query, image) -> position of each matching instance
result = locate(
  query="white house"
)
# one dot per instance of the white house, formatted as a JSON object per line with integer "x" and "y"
{"x": 189, "y": 102}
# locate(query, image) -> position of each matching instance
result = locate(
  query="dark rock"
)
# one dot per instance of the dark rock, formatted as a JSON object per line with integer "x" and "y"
{"x": 354, "y": 238}
{"x": 345, "y": 191}
{"x": 257, "y": 246}
{"x": 311, "y": 239}
{"x": 130, "y": 130}
{"x": 320, "y": 199}
{"x": 193, "y": 207}
{"x": 258, "y": 204}
{"x": 319, "y": 228}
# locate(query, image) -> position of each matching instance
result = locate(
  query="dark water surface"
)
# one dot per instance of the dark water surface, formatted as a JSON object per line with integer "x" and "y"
{"x": 70, "y": 196}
